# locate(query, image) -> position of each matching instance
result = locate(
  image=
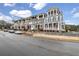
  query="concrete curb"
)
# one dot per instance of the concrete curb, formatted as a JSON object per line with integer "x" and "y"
{"x": 54, "y": 37}
{"x": 28, "y": 33}
{"x": 57, "y": 37}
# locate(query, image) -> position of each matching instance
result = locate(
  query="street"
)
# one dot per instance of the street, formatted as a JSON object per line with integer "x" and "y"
{"x": 22, "y": 45}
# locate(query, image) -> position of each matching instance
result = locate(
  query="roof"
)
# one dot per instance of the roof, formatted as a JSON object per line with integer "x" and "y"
{"x": 53, "y": 8}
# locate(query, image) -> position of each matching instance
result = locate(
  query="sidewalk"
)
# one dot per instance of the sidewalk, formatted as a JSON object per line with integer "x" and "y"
{"x": 54, "y": 37}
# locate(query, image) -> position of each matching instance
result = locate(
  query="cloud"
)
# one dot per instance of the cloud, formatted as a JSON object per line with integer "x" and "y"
{"x": 21, "y": 13}
{"x": 14, "y": 12}
{"x": 69, "y": 22}
{"x": 76, "y": 15}
{"x": 8, "y": 19}
{"x": 9, "y": 4}
{"x": 31, "y": 4}
{"x": 38, "y": 6}
{"x": 75, "y": 12}
{"x": 5, "y": 18}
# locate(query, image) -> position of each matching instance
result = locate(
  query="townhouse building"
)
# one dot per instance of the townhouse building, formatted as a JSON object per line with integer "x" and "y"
{"x": 40, "y": 19}
{"x": 54, "y": 20}
{"x": 50, "y": 21}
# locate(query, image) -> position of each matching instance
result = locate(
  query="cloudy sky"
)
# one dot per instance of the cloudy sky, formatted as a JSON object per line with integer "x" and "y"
{"x": 10, "y": 11}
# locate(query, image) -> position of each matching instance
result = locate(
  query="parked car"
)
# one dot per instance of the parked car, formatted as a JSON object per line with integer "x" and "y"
{"x": 19, "y": 32}
{"x": 11, "y": 31}
{"x": 5, "y": 30}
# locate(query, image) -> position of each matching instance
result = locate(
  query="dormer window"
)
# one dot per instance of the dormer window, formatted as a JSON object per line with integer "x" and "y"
{"x": 51, "y": 12}
{"x": 58, "y": 12}
{"x": 54, "y": 11}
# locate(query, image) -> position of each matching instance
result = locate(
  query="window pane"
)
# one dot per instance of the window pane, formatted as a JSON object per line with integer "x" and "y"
{"x": 54, "y": 11}
{"x": 50, "y": 25}
{"x": 55, "y": 25}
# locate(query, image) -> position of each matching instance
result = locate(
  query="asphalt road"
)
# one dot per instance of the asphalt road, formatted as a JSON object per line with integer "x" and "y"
{"x": 21, "y": 45}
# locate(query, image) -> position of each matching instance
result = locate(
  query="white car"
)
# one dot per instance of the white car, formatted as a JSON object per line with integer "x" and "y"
{"x": 19, "y": 32}
{"x": 11, "y": 31}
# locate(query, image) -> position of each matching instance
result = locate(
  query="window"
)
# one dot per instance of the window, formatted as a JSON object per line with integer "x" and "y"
{"x": 55, "y": 25}
{"x": 19, "y": 27}
{"x": 40, "y": 25}
{"x": 49, "y": 20}
{"x": 50, "y": 25}
{"x": 46, "y": 25}
{"x": 54, "y": 18}
{"x": 23, "y": 19}
{"x": 51, "y": 12}
{"x": 58, "y": 11}
{"x": 62, "y": 26}
{"x": 23, "y": 26}
{"x": 58, "y": 18}
{"x": 54, "y": 11}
